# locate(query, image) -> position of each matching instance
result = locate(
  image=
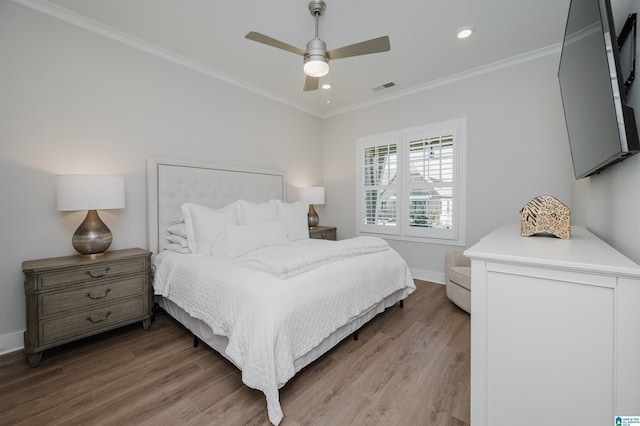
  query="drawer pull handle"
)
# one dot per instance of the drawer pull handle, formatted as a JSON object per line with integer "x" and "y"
{"x": 106, "y": 271}
{"x": 100, "y": 320}
{"x": 90, "y": 296}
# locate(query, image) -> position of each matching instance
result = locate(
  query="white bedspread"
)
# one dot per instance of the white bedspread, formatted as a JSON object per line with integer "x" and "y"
{"x": 270, "y": 322}
{"x": 289, "y": 261}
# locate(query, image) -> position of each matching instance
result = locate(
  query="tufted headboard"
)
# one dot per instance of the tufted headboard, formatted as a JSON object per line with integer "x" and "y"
{"x": 171, "y": 183}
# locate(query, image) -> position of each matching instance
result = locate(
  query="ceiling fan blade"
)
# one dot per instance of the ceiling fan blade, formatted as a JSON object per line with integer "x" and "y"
{"x": 375, "y": 45}
{"x": 261, "y": 38}
{"x": 311, "y": 83}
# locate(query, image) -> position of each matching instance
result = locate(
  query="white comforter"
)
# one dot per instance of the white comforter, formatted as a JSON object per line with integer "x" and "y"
{"x": 269, "y": 321}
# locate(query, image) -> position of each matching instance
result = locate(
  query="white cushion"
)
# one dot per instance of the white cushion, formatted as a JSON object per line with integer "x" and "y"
{"x": 177, "y": 239}
{"x": 177, "y": 248}
{"x": 178, "y": 229}
{"x": 294, "y": 216}
{"x": 461, "y": 275}
{"x": 239, "y": 240}
{"x": 204, "y": 225}
{"x": 254, "y": 213}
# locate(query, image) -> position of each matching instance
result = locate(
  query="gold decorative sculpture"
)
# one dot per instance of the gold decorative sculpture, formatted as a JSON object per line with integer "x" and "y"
{"x": 545, "y": 215}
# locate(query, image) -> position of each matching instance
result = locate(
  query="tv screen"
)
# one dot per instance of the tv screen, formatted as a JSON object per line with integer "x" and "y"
{"x": 601, "y": 126}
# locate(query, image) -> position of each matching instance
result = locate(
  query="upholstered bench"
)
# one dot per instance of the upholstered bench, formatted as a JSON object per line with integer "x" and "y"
{"x": 457, "y": 270}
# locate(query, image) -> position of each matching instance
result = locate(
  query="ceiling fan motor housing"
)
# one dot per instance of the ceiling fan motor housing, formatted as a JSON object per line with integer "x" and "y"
{"x": 317, "y": 7}
{"x": 316, "y": 50}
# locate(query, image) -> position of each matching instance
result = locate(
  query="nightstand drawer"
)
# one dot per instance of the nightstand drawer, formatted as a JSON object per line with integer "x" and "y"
{"x": 90, "y": 273}
{"x": 323, "y": 233}
{"x": 88, "y": 322}
{"x": 90, "y": 296}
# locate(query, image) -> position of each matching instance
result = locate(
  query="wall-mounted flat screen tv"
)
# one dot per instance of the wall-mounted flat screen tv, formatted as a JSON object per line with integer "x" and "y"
{"x": 601, "y": 126}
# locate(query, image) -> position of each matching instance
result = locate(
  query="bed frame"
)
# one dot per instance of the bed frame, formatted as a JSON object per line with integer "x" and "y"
{"x": 170, "y": 183}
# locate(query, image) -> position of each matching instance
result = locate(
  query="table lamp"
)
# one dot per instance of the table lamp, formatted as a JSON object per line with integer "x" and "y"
{"x": 312, "y": 195}
{"x": 92, "y": 193}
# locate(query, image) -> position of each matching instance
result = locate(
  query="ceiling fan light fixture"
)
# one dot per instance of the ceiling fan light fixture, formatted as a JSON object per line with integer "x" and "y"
{"x": 316, "y": 67}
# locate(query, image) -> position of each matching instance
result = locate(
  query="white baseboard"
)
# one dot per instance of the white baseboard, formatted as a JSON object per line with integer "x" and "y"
{"x": 11, "y": 342}
{"x": 434, "y": 277}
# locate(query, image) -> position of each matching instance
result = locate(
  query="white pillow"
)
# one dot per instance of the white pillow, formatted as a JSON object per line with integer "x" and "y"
{"x": 177, "y": 239}
{"x": 178, "y": 229}
{"x": 177, "y": 248}
{"x": 239, "y": 240}
{"x": 255, "y": 214}
{"x": 294, "y": 216}
{"x": 204, "y": 225}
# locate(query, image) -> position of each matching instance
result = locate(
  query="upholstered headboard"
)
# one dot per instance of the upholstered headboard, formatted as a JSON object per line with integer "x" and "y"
{"x": 171, "y": 183}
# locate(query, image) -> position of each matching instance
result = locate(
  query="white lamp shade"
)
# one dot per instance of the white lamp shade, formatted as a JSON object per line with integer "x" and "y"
{"x": 311, "y": 195}
{"x": 89, "y": 192}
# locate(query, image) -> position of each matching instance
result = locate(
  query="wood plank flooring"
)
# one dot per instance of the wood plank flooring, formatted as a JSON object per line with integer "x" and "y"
{"x": 410, "y": 366}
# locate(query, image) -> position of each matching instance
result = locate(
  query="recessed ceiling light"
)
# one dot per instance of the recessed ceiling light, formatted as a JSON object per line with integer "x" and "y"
{"x": 464, "y": 32}
{"x": 326, "y": 86}
{"x": 328, "y": 101}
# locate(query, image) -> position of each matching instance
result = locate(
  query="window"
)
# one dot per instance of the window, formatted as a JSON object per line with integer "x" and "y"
{"x": 380, "y": 173}
{"x": 411, "y": 183}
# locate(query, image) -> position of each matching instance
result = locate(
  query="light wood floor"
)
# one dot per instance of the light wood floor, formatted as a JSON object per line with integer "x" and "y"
{"x": 410, "y": 366}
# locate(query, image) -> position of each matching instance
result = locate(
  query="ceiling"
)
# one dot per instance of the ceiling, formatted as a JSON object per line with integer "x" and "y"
{"x": 424, "y": 47}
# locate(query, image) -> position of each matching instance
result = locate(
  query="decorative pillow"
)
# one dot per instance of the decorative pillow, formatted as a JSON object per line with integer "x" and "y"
{"x": 255, "y": 214}
{"x": 294, "y": 216}
{"x": 179, "y": 229}
{"x": 177, "y": 239}
{"x": 204, "y": 225}
{"x": 239, "y": 240}
{"x": 177, "y": 248}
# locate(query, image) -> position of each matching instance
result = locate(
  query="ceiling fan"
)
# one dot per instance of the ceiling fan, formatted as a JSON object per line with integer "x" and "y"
{"x": 316, "y": 57}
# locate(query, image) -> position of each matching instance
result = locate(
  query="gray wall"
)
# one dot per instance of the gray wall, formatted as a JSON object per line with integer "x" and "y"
{"x": 73, "y": 101}
{"x": 517, "y": 149}
{"x": 76, "y": 102}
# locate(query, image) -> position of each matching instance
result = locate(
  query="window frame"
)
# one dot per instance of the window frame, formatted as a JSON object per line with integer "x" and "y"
{"x": 403, "y": 138}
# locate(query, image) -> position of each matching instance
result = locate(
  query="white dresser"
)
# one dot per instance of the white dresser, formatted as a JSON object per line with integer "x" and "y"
{"x": 555, "y": 330}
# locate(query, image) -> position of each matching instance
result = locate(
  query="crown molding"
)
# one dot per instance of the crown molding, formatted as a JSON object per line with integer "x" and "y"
{"x": 94, "y": 26}
{"x": 89, "y": 24}
{"x": 554, "y": 49}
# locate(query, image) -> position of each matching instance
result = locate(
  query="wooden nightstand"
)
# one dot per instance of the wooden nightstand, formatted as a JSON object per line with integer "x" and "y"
{"x": 323, "y": 233}
{"x": 72, "y": 297}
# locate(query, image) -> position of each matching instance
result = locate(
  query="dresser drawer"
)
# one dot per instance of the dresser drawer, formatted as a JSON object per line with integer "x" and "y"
{"x": 91, "y": 321}
{"x": 90, "y": 273}
{"x": 90, "y": 296}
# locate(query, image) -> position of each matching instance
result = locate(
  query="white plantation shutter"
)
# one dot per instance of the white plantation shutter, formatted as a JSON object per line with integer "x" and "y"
{"x": 411, "y": 183}
{"x": 430, "y": 184}
{"x": 379, "y": 183}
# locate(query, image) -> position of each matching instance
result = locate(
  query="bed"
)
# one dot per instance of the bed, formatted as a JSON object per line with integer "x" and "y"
{"x": 261, "y": 293}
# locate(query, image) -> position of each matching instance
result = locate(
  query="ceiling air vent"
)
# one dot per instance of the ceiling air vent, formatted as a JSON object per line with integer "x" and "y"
{"x": 383, "y": 86}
